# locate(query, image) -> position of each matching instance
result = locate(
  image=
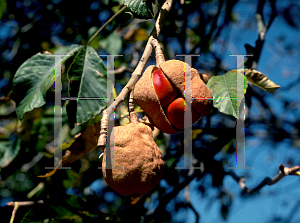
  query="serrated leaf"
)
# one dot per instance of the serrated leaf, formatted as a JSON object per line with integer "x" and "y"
{"x": 87, "y": 74}
{"x": 224, "y": 91}
{"x": 32, "y": 80}
{"x": 112, "y": 44}
{"x": 8, "y": 151}
{"x": 142, "y": 9}
{"x": 261, "y": 80}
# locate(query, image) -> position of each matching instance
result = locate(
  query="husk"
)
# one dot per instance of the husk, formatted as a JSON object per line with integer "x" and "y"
{"x": 174, "y": 71}
{"x": 145, "y": 96}
{"x": 140, "y": 157}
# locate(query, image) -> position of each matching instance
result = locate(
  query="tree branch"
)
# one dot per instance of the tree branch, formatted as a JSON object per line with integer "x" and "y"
{"x": 25, "y": 203}
{"x": 283, "y": 171}
{"x": 262, "y": 30}
{"x": 160, "y": 58}
{"x": 16, "y": 205}
{"x": 142, "y": 63}
{"x": 168, "y": 197}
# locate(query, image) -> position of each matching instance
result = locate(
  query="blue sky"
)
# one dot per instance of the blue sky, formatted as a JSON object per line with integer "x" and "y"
{"x": 283, "y": 69}
{"x": 275, "y": 200}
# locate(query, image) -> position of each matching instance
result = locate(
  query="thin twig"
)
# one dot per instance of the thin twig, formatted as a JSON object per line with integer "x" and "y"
{"x": 16, "y": 206}
{"x": 215, "y": 19}
{"x": 25, "y": 203}
{"x": 108, "y": 21}
{"x": 283, "y": 171}
{"x": 262, "y": 30}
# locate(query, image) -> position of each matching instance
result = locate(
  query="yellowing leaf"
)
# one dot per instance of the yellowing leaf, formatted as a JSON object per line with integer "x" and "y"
{"x": 196, "y": 132}
{"x": 79, "y": 147}
{"x": 141, "y": 35}
{"x": 134, "y": 35}
{"x": 134, "y": 200}
{"x": 260, "y": 80}
{"x": 68, "y": 153}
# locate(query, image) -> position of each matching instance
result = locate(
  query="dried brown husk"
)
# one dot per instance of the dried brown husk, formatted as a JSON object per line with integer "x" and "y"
{"x": 145, "y": 95}
{"x": 174, "y": 70}
{"x": 140, "y": 158}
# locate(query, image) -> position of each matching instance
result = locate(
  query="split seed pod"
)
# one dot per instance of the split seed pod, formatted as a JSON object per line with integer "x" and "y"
{"x": 174, "y": 70}
{"x": 139, "y": 158}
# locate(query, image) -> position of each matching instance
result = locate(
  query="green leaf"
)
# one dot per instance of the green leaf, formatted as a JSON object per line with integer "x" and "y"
{"x": 260, "y": 80}
{"x": 64, "y": 50}
{"x": 3, "y": 8}
{"x": 143, "y": 9}
{"x": 76, "y": 202}
{"x": 8, "y": 151}
{"x": 119, "y": 1}
{"x": 112, "y": 44}
{"x": 86, "y": 76}
{"x": 32, "y": 80}
{"x": 224, "y": 91}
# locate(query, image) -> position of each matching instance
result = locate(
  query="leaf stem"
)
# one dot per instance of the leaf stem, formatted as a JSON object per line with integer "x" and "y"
{"x": 107, "y": 22}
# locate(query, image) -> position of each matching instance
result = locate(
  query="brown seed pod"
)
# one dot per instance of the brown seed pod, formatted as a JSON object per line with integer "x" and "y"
{"x": 140, "y": 158}
{"x": 146, "y": 97}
